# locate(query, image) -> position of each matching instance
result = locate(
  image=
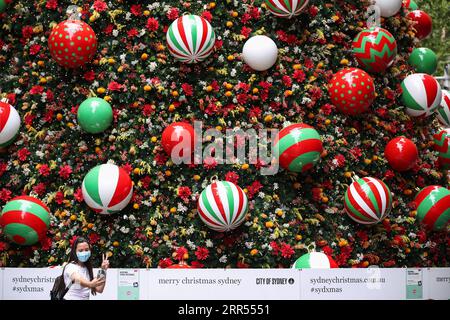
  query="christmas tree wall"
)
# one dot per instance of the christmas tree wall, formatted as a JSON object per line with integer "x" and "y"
{"x": 289, "y": 213}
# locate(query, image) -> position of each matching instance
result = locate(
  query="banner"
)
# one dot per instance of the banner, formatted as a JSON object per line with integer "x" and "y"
{"x": 438, "y": 281}
{"x": 226, "y": 284}
{"x": 241, "y": 284}
{"x": 353, "y": 284}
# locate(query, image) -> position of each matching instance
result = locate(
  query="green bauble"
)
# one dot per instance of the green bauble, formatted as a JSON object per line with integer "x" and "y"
{"x": 95, "y": 115}
{"x": 2, "y": 5}
{"x": 424, "y": 60}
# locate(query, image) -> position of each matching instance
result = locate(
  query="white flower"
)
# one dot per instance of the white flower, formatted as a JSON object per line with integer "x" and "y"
{"x": 209, "y": 243}
{"x": 249, "y": 245}
{"x": 223, "y": 259}
{"x": 125, "y": 230}
{"x": 233, "y": 72}
{"x": 191, "y": 245}
{"x": 115, "y": 32}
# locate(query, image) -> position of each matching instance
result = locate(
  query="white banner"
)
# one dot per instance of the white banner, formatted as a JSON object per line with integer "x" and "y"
{"x": 438, "y": 283}
{"x": 244, "y": 284}
{"x": 225, "y": 284}
{"x": 353, "y": 284}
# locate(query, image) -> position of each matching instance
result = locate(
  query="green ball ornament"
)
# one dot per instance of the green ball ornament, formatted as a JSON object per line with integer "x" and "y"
{"x": 95, "y": 115}
{"x": 424, "y": 60}
{"x": 2, "y": 5}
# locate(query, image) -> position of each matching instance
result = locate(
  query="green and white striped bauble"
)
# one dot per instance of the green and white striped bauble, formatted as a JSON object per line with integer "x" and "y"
{"x": 222, "y": 206}
{"x": 433, "y": 207}
{"x": 190, "y": 39}
{"x": 314, "y": 260}
{"x": 443, "y": 111}
{"x": 107, "y": 189}
{"x": 421, "y": 94}
{"x": 25, "y": 220}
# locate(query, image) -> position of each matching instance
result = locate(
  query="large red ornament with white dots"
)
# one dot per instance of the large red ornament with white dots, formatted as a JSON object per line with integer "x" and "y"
{"x": 72, "y": 43}
{"x": 352, "y": 91}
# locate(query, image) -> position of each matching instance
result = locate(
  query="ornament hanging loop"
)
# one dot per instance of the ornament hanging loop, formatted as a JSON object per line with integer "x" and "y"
{"x": 74, "y": 12}
{"x": 214, "y": 178}
{"x": 373, "y": 15}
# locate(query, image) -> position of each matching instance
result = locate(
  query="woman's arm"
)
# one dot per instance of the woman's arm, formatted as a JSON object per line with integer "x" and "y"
{"x": 95, "y": 283}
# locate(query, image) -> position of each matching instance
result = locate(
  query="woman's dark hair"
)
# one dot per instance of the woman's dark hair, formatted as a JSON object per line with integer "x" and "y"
{"x": 87, "y": 264}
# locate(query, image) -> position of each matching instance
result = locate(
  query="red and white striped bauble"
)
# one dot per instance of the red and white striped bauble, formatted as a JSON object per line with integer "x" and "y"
{"x": 9, "y": 124}
{"x": 107, "y": 189}
{"x": 421, "y": 94}
{"x": 286, "y": 8}
{"x": 443, "y": 111}
{"x": 368, "y": 200}
{"x": 222, "y": 206}
{"x": 315, "y": 260}
{"x": 190, "y": 38}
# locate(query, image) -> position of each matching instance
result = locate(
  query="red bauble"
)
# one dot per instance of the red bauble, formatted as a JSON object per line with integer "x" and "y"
{"x": 175, "y": 134}
{"x": 181, "y": 265}
{"x": 401, "y": 153}
{"x": 352, "y": 91}
{"x": 424, "y": 23}
{"x": 72, "y": 43}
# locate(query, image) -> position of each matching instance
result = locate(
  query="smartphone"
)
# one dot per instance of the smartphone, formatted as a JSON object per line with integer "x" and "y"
{"x": 101, "y": 274}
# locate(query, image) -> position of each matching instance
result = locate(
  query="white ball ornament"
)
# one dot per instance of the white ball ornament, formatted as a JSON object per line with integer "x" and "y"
{"x": 260, "y": 53}
{"x": 388, "y": 8}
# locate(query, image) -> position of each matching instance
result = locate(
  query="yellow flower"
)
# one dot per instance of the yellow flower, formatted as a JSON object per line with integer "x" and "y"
{"x": 269, "y": 224}
{"x": 254, "y": 252}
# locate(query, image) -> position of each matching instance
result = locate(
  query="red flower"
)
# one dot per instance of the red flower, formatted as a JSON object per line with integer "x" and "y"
{"x": 115, "y": 86}
{"x": 65, "y": 171}
{"x": 246, "y": 31}
{"x": 132, "y": 33}
{"x": 184, "y": 193}
{"x": 164, "y": 263}
{"x": 152, "y": 24}
{"x": 34, "y": 49}
{"x": 242, "y": 265}
{"x": 39, "y": 188}
{"x": 202, "y": 253}
{"x": 232, "y": 176}
{"x": 51, "y": 4}
{"x": 179, "y": 253}
{"x": 197, "y": 264}
{"x": 5, "y": 194}
{"x": 44, "y": 170}
{"x": 37, "y": 90}
{"x": 78, "y": 195}
{"x": 188, "y": 89}
{"x": 254, "y": 189}
{"x": 46, "y": 243}
{"x": 89, "y": 75}
{"x": 136, "y": 9}
{"x": 100, "y": 5}
{"x": 286, "y": 250}
{"x": 23, "y": 154}
{"x": 356, "y": 152}
{"x": 3, "y": 246}
{"x": 340, "y": 159}
{"x": 148, "y": 110}
{"x": 207, "y": 16}
{"x": 94, "y": 237}
{"x": 3, "y": 167}
{"x": 59, "y": 197}
{"x": 27, "y": 32}
{"x": 299, "y": 75}
{"x": 127, "y": 167}
{"x": 275, "y": 248}
{"x": 172, "y": 14}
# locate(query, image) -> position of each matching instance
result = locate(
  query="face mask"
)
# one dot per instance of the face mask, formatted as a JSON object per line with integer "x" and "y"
{"x": 83, "y": 256}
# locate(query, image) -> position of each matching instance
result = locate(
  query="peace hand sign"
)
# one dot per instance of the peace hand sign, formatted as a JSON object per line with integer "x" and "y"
{"x": 105, "y": 262}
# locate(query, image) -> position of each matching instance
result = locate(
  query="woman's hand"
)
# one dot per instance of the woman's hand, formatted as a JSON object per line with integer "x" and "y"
{"x": 96, "y": 282}
{"x": 105, "y": 262}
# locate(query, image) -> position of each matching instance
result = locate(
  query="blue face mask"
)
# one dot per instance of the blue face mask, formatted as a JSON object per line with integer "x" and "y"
{"x": 83, "y": 256}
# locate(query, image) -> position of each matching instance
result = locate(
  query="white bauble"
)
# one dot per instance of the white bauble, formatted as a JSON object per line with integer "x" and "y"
{"x": 389, "y": 8}
{"x": 260, "y": 53}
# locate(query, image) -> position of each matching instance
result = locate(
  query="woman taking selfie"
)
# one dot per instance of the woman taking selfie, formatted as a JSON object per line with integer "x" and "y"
{"x": 79, "y": 272}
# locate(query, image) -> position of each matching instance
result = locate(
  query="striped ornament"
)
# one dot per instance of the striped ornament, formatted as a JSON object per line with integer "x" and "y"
{"x": 368, "y": 201}
{"x": 190, "y": 39}
{"x": 442, "y": 145}
{"x": 222, "y": 206}
{"x": 314, "y": 260}
{"x": 286, "y": 8}
{"x": 375, "y": 49}
{"x": 421, "y": 94}
{"x": 443, "y": 111}
{"x": 433, "y": 207}
{"x": 9, "y": 124}
{"x": 298, "y": 147}
{"x": 410, "y": 4}
{"x": 107, "y": 189}
{"x": 25, "y": 220}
